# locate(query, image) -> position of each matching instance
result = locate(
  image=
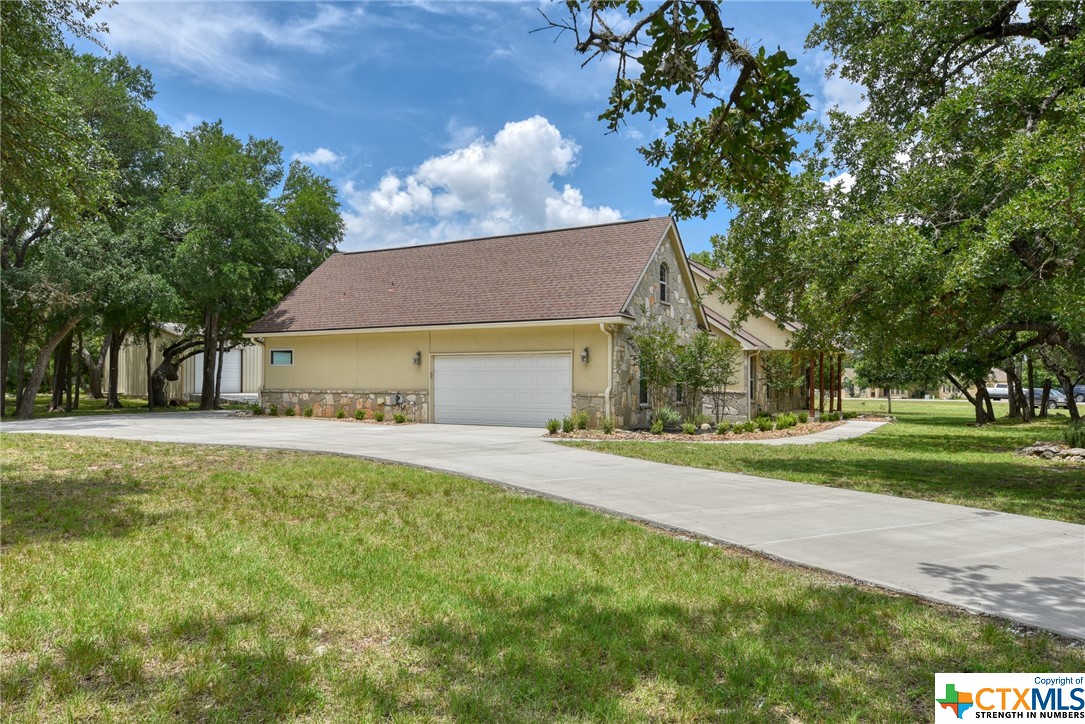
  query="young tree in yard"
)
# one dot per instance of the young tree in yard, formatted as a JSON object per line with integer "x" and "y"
{"x": 778, "y": 370}
{"x": 655, "y": 349}
{"x": 706, "y": 365}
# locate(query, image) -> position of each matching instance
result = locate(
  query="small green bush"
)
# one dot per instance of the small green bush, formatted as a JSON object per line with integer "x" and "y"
{"x": 289, "y": 412}
{"x": 379, "y": 415}
{"x": 785, "y": 420}
{"x": 552, "y": 426}
{"x": 701, "y": 419}
{"x": 745, "y": 427}
{"x": 273, "y": 410}
{"x": 581, "y": 420}
{"x": 830, "y": 417}
{"x": 689, "y": 428}
{"x": 764, "y": 424}
{"x": 257, "y": 410}
{"x": 399, "y": 418}
{"x": 723, "y": 428}
{"x": 657, "y": 426}
{"x": 308, "y": 412}
{"x": 359, "y": 414}
{"x": 608, "y": 425}
{"x": 850, "y": 414}
{"x": 1074, "y": 434}
{"x": 803, "y": 418}
{"x": 568, "y": 424}
{"x": 667, "y": 415}
{"x": 340, "y": 414}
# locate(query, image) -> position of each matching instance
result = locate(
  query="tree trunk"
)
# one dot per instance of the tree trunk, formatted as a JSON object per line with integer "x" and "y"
{"x": 95, "y": 367}
{"x": 218, "y": 372}
{"x": 26, "y": 405}
{"x": 150, "y": 351}
{"x": 840, "y": 383}
{"x": 168, "y": 370}
{"x": 5, "y": 357}
{"x": 1068, "y": 387}
{"x": 821, "y": 382}
{"x": 1031, "y": 386}
{"x": 983, "y": 400}
{"x": 962, "y": 389}
{"x": 61, "y": 356}
{"x": 78, "y": 370}
{"x": 1045, "y": 397}
{"x": 20, "y": 375}
{"x": 210, "y": 344}
{"x": 889, "y": 400}
{"x": 116, "y": 340}
{"x": 1019, "y": 406}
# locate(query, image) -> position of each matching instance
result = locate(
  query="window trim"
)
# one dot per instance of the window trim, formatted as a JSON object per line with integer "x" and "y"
{"x": 664, "y": 283}
{"x": 271, "y": 358}
{"x": 642, "y": 392}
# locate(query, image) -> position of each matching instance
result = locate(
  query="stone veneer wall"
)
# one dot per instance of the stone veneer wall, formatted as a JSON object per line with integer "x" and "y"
{"x": 645, "y": 305}
{"x": 734, "y": 406}
{"x": 326, "y": 402}
{"x": 591, "y": 404}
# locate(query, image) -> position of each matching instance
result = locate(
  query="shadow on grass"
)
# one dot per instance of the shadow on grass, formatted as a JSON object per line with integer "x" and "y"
{"x": 573, "y": 654}
{"x": 62, "y": 508}
{"x": 223, "y": 670}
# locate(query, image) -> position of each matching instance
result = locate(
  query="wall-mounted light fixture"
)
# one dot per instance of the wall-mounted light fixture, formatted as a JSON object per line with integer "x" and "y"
{"x": 584, "y": 356}
{"x": 417, "y": 358}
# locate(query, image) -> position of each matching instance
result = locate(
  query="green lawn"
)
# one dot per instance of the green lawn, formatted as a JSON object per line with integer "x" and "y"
{"x": 933, "y": 452}
{"x": 149, "y": 581}
{"x": 90, "y": 406}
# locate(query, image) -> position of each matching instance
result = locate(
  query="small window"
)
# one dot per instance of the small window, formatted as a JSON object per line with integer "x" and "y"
{"x": 663, "y": 284}
{"x": 282, "y": 357}
{"x": 643, "y": 397}
{"x": 679, "y": 394}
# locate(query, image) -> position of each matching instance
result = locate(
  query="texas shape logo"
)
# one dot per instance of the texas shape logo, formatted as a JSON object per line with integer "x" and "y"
{"x": 956, "y": 701}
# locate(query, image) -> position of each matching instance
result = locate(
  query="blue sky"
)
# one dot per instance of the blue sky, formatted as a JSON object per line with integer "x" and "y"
{"x": 435, "y": 120}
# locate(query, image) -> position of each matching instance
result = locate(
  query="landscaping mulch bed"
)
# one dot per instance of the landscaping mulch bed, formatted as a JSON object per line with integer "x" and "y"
{"x": 699, "y": 436}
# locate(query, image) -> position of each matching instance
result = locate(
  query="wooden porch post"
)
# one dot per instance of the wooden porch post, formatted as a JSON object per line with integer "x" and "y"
{"x": 821, "y": 382}
{"x": 810, "y": 385}
{"x": 840, "y": 383}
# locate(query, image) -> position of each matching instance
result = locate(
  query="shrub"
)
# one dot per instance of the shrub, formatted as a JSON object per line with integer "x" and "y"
{"x": 340, "y": 414}
{"x": 608, "y": 425}
{"x": 657, "y": 427}
{"x": 379, "y": 415}
{"x": 667, "y": 415}
{"x": 764, "y": 424}
{"x": 568, "y": 424}
{"x": 785, "y": 420}
{"x": 850, "y": 415}
{"x": 689, "y": 428}
{"x": 581, "y": 420}
{"x": 308, "y": 412}
{"x": 745, "y": 427}
{"x": 803, "y": 418}
{"x": 701, "y": 419}
{"x": 359, "y": 414}
{"x": 273, "y": 410}
{"x": 399, "y": 418}
{"x": 723, "y": 428}
{"x": 289, "y": 412}
{"x": 830, "y": 417}
{"x": 257, "y": 410}
{"x": 1074, "y": 434}
{"x": 552, "y": 426}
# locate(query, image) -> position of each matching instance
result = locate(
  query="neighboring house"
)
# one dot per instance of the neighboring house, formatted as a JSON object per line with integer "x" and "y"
{"x": 242, "y": 367}
{"x": 757, "y": 335}
{"x": 510, "y": 330}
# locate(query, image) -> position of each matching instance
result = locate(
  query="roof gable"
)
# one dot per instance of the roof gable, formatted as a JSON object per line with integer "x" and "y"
{"x": 566, "y": 274}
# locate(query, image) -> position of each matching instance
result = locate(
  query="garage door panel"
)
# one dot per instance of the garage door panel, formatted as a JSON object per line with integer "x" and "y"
{"x": 502, "y": 389}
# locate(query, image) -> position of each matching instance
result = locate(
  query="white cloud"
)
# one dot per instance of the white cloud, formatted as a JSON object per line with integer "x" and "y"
{"x": 837, "y": 92}
{"x": 488, "y": 187}
{"x": 228, "y": 44}
{"x": 321, "y": 156}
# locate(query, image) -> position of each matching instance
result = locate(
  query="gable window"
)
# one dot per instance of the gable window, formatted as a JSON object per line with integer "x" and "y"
{"x": 663, "y": 271}
{"x": 283, "y": 357}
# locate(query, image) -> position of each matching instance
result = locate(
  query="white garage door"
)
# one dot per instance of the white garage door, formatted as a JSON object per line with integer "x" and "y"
{"x": 231, "y": 372}
{"x": 502, "y": 389}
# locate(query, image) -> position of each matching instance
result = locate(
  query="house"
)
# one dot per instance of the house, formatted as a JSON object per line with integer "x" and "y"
{"x": 757, "y": 335}
{"x": 508, "y": 330}
{"x": 242, "y": 367}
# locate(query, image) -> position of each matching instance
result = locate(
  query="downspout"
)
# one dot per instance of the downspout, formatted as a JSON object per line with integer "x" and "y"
{"x": 607, "y": 412}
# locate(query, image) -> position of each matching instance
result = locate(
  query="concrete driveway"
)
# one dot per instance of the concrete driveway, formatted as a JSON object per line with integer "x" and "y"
{"x": 1021, "y": 568}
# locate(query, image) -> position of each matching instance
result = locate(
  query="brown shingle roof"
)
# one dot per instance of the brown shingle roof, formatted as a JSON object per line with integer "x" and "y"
{"x": 747, "y": 340}
{"x": 580, "y": 273}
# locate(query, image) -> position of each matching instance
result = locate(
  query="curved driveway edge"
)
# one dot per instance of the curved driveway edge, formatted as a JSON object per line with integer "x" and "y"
{"x": 846, "y": 431}
{"x": 1025, "y": 569}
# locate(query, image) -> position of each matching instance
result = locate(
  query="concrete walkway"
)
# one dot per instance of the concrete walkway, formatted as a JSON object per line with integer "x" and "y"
{"x": 1026, "y": 569}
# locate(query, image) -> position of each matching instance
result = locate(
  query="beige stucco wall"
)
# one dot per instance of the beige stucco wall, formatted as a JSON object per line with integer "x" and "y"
{"x": 132, "y": 370}
{"x": 383, "y": 361}
{"x": 763, "y": 328}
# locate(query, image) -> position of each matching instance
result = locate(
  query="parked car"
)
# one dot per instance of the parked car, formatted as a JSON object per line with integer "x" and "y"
{"x": 1079, "y": 393}
{"x": 1001, "y": 391}
{"x": 1055, "y": 399}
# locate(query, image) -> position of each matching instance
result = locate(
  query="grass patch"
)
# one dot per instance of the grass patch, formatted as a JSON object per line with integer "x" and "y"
{"x": 91, "y": 406}
{"x": 149, "y": 581}
{"x": 932, "y": 452}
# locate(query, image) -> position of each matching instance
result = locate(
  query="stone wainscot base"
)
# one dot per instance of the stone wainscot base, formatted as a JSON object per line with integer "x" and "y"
{"x": 325, "y": 403}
